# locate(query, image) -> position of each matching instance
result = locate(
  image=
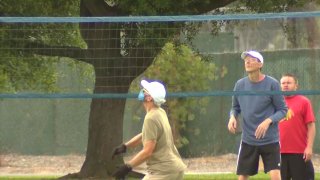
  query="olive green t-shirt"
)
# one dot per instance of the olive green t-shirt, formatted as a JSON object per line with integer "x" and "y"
{"x": 165, "y": 157}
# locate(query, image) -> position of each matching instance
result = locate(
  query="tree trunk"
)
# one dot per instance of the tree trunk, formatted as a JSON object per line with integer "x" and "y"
{"x": 105, "y": 113}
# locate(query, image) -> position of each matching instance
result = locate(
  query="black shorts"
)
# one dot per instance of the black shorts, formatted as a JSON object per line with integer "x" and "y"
{"x": 248, "y": 158}
{"x": 293, "y": 166}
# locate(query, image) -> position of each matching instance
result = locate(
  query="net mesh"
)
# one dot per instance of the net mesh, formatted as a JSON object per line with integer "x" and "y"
{"x": 51, "y": 68}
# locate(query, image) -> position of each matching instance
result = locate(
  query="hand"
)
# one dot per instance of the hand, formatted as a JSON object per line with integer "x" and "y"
{"x": 307, "y": 155}
{"x": 232, "y": 125}
{"x": 119, "y": 150}
{"x": 122, "y": 171}
{"x": 263, "y": 128}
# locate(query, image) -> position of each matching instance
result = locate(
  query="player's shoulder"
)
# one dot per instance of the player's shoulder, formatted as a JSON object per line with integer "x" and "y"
{"x": 155, "y": 114}
{"x": 271, "y": 79}
{"x": 272, "y": 82}
{"x": 243, "y": 80}
{"x": 303, "y": 98}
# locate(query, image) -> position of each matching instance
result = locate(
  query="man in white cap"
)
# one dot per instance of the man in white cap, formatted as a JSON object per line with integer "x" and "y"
{"x": 260, "y": 117}
{"x": 161, "y": 155}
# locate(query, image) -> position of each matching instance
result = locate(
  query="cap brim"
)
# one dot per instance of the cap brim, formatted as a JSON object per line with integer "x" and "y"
{"x": 243, "y": 55}
{"x": 145, "y": 85}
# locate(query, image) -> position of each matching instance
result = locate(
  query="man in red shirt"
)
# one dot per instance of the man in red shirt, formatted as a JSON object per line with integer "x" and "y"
{"x": 297, "y": 133}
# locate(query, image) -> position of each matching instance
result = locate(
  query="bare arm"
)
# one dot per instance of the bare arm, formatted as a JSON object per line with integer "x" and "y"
{"x": 311, "y": 135}
{"x": 134, "y": 141}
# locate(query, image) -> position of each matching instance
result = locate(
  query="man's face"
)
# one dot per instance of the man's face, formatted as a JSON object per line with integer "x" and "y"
{"x": 288, "y": 84}
{"x": 251, "y": 64}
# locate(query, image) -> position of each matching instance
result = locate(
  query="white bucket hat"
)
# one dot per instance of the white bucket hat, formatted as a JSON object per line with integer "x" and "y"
{"x": 252, "y": 53}
{"x": 156, "y": 91}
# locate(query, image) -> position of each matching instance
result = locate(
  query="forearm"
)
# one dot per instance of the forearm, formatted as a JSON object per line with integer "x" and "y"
{"x": 311, "y": 134}
{"x": 139, "y": 158}
{"x": 134, "y": 141}
{"x": 235, "y": 109}
{"x": 280, "y": 114}
{"x": 280, "y": 107}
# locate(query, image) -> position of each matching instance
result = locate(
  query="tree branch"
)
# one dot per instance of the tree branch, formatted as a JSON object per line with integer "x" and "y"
{"x": 97, "y": 8}
{"x": 207, "y": 7}
{"x": 64, "y": 51}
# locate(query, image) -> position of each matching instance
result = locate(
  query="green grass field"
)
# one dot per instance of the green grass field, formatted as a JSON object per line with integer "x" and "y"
{"x": 259, "y": 176}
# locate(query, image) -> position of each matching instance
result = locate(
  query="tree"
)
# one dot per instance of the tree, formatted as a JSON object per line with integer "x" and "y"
{"x": 105, "y": 122}
{"x": 28, "y": 72}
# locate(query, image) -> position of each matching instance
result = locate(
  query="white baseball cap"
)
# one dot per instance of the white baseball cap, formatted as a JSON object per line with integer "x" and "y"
{"x": 252, "y": 53}
{"x": 156, "y": 91}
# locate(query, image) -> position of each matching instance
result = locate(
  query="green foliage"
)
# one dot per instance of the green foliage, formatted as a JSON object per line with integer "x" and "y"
{"x": 160, "y": 7}
{"x": 183, "y": 71}
{"x": 20, "y": 69}
{"x": 52, "y": 8}
{"x": 261, "y": 6}
{"x": 27, "y": 73}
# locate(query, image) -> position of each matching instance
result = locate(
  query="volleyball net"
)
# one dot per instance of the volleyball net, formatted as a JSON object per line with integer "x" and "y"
{"x": 52, "y": 67}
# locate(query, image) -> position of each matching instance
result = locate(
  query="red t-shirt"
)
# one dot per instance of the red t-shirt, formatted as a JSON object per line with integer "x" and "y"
{"x": 293, "y": 128}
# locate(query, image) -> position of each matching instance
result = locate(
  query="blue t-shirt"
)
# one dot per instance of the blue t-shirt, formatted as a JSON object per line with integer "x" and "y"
{"x": 257, "y": 108}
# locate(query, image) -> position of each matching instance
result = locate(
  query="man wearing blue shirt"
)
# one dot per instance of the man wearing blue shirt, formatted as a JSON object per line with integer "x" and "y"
{"x": 260, "y": 117}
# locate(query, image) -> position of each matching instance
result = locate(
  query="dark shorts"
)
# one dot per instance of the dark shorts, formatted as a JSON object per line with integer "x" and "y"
{"x": 248, "y": 158}
{"x": 293, "y": 166}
